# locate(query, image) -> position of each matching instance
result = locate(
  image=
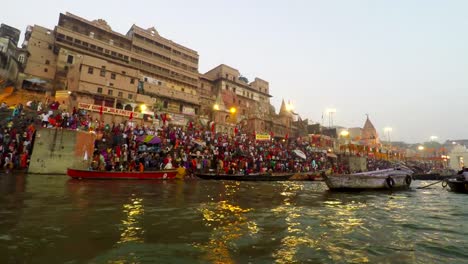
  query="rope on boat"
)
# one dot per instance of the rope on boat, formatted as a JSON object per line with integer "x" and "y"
{"x": 430, "y": 184}
{"x": 443, "y": 180}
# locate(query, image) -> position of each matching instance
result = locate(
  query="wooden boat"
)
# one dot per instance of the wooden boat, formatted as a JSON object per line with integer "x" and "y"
{"x": 396, "y": 178}
{"x": 120, "y": 175}
{"x": 457, "y": 185}
{"x": 242, "y": 177}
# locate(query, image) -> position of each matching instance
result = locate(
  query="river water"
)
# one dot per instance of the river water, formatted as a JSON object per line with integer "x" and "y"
{"x": 53, "y": 219}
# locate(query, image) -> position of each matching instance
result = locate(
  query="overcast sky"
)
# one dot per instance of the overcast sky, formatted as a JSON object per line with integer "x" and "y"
{"x": 403, "y": 62}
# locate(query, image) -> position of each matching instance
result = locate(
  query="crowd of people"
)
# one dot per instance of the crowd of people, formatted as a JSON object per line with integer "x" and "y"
{"x": 119, "y": 146}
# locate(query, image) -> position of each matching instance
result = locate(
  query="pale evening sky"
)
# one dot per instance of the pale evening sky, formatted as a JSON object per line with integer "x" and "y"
{"x": 403, "y": 62}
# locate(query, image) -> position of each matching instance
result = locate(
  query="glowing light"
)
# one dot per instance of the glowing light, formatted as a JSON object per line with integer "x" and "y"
{"x": 232, "y": 110}
{"x": 216, "y": 107}
{"x": 421, "y": 147}
{"x": 143, "y": 108}
{"x": 344, "y": 133}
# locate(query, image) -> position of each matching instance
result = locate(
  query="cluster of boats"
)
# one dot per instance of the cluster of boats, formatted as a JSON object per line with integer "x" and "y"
{"x": 396, "y": 178}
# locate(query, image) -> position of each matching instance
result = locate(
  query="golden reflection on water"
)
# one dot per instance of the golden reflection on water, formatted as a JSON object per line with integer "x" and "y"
{"x": 228, "y": 222}
{"x": 131, "y": 230}
{"x": 343, "y": 220}
{"x": 297, "y": 236}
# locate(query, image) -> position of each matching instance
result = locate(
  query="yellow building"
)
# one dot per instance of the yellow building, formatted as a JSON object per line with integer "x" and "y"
{"x": 140, "y": 67}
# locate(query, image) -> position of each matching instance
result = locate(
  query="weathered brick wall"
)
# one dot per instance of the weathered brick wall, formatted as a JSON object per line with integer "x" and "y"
{"x": 55, "y": 150}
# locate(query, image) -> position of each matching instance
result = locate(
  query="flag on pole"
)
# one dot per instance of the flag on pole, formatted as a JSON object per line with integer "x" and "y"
{"x": 131, "y": 116}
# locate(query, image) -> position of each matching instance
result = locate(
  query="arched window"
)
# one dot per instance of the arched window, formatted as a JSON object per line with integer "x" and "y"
{"x": 119, "y": 105}
{"x": 128, "y": 108}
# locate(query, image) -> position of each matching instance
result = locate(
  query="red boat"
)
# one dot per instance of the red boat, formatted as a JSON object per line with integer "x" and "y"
{"x": 122, "y": 175}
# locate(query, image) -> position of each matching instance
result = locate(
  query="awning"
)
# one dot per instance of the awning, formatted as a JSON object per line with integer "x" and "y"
{"x": 36, "y": 81}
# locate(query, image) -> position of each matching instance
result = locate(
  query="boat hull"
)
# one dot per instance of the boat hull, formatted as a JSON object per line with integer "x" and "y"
{"x": 458, "y": 186}
{"x": 367, "y": 182}
{"x": 118, "y": 175}
{"x": 253, "y": 177}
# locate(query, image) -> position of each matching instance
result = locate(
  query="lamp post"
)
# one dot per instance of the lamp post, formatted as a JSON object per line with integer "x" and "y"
{"x": 344, "y": 135}
{"x": 330, "y": 112}
{"x": 289, "y": 108}
{"x": 421, "y": 148}
{"x": 143, "y": 108}
{"x": 388, "y": 130}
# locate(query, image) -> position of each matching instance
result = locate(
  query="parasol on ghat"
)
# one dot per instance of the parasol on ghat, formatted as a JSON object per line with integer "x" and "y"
{"x": 300, "y": 154}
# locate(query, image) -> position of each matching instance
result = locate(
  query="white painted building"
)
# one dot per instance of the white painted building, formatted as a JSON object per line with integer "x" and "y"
{"x": 458, "y": 156}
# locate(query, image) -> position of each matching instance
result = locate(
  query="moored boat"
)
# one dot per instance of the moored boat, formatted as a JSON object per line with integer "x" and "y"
{"x": 121, "y": 175}
{"x": 458, "y": 184}
{"x": 397, "y": 178}
{"x": 242, "y": 177}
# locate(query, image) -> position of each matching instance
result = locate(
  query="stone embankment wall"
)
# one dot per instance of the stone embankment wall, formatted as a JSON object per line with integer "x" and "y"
{"x": 55, "y": 150}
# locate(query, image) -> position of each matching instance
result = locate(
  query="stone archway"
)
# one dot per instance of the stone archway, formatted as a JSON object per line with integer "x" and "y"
{"x": 128, "y": 108}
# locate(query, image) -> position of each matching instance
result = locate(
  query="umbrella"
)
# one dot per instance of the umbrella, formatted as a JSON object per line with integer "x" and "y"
{"x": 300, "y": 154}
{"x": 154, "y": 140}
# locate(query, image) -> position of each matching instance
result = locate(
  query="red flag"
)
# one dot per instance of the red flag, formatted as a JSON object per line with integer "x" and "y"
{"x": 272, "y": 135}
{"x": 236, "y": 130}
{"x": 131, "y": 116}
{"x": 286, "y": 137}
{"x": 190, "y": 125}
{"x": 212, "y": 126}
{"x": 101, "y": 109}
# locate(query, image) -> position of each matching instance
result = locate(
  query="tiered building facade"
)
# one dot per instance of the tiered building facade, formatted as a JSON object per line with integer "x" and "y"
{"x": 89, "y": 66}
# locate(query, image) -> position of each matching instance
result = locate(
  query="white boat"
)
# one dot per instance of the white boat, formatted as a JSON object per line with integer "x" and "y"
{"x": 395, "y": 178}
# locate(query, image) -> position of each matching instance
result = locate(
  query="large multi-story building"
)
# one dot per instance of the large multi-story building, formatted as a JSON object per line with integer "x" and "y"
{"x": 91, "y": 67}
{"x": 232, "y": 100}
{"x": 164, "y": 73}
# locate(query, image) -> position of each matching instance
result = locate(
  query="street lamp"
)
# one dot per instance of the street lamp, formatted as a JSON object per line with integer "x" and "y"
{"x": 143, "y": 108}
{"x": 330, "y": 112}
{"x": 421, "y": 148}
{"x": 232, "y": 110}
{"x": 344, "y": 133}
{"x": 388, "y": 130}
{"x": 216, "y": 107}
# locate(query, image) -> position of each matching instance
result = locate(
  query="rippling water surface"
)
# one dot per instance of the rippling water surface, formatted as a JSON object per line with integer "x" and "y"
{"x": 51, "y": 219}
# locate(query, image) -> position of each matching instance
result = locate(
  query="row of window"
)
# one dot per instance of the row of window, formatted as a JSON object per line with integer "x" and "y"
{"x": 106, "y": 52}
{"x": 92, "y": 47}
{"x": 245, "y": 94}
{"x": 164, "y": 71}
{"x": 262, "y": 90}
{"x": 111, "y": 93}
{"x": 164, "y": 58}
{"x": 169, "y": 49}
{"x": 102, "y": 73}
